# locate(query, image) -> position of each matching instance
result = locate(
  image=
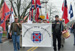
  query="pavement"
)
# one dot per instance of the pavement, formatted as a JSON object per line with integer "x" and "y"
{"x": 68, "y": 46}
{"x": 4, "y": 39}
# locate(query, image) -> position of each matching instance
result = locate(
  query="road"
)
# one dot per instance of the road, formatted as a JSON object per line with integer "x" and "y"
{"x": 68, "y": 46}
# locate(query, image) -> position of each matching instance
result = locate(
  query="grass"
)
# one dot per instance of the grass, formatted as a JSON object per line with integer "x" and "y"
{"x": 4, "y": 35}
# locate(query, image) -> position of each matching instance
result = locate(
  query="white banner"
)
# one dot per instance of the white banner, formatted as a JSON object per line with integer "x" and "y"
{"x": 37, "y": 35}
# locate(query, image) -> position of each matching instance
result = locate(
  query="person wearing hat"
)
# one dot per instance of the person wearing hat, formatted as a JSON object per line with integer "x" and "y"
{"x": 57, "y": 28}
{"x": 16, "y": 31}
{"x": 44, "y": 20}
{"x": 39, "y": 20}
{"x": 21, "y": 21}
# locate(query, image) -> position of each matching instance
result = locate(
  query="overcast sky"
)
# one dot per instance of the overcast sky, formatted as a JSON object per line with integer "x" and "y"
{"x": 57, "y": 4}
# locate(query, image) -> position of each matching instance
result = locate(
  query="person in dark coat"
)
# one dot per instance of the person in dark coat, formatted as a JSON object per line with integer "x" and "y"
{"x": 57, "y": 28}
{"x": 15, "y": 28}
{"x": 73, "y": 27}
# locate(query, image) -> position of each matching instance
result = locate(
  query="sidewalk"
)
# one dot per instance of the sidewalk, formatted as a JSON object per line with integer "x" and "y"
{"x": 4, "y": 39}
{"x": 4, "y": 36}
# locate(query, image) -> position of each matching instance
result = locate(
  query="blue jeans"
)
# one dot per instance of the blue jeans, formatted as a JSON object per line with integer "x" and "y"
{"x": 1, "y": 37}
{"x": 16, "y": 41}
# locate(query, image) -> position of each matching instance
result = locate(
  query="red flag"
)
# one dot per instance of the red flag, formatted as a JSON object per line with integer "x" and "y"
{"x": 5, "y": 15}
{"x": 47, "y": 18}
{"x": 65, "y": 12}
{"x": 30, "y": 14}
{"x": 31, "y": 10}
{"x": 37, "y": 5}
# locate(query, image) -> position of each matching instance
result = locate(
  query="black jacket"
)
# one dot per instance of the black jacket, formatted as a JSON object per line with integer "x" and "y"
{"x": 57, "y": 26}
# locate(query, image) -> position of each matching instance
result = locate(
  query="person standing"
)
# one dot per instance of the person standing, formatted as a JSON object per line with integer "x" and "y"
{"x": 1, "y": 32}
{"x": 73, "y": 27}
{"x": 57, "y": 28}
{"x": 44, "y": 21}
{"x": 39, "y": 20}
{"x": 62, "y": 38}
{"x": 15, "y": 29}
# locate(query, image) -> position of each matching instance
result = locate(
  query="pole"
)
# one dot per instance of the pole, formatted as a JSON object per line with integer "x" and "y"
{"x": 46, "y": 1}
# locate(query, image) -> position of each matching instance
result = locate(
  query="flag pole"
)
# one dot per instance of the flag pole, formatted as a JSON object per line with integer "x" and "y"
{"x": 35, "y": 10}
{"x": 10, "y": 10}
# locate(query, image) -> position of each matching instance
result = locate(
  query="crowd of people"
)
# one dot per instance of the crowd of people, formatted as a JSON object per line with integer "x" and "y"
{"x": 15, "y": 32}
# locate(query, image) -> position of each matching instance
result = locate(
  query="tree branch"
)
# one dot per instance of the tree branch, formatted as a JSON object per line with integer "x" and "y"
{"x": 25, "y": 10}
{"x": 2, "y": 1}
{"x": 13, "y": 7}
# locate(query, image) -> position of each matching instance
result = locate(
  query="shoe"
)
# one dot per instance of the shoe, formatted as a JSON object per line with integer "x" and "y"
{"x": 20, "y": 46}
{"x": 54, "y": 50}
{"x": 58, "y": 50}
{"x": 62, "y": 45}
{"x": 0, "y": 42}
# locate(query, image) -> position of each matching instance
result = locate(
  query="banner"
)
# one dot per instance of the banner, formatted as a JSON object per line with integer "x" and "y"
{"x": 37, "y": 35}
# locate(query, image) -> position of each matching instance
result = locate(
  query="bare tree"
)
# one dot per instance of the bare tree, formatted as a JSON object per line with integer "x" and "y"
{"x": 19, "y": 4}
{"x": 52, "y": 11}
{"x": 22, "y": 7}
{"x": 1, "y": 3}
